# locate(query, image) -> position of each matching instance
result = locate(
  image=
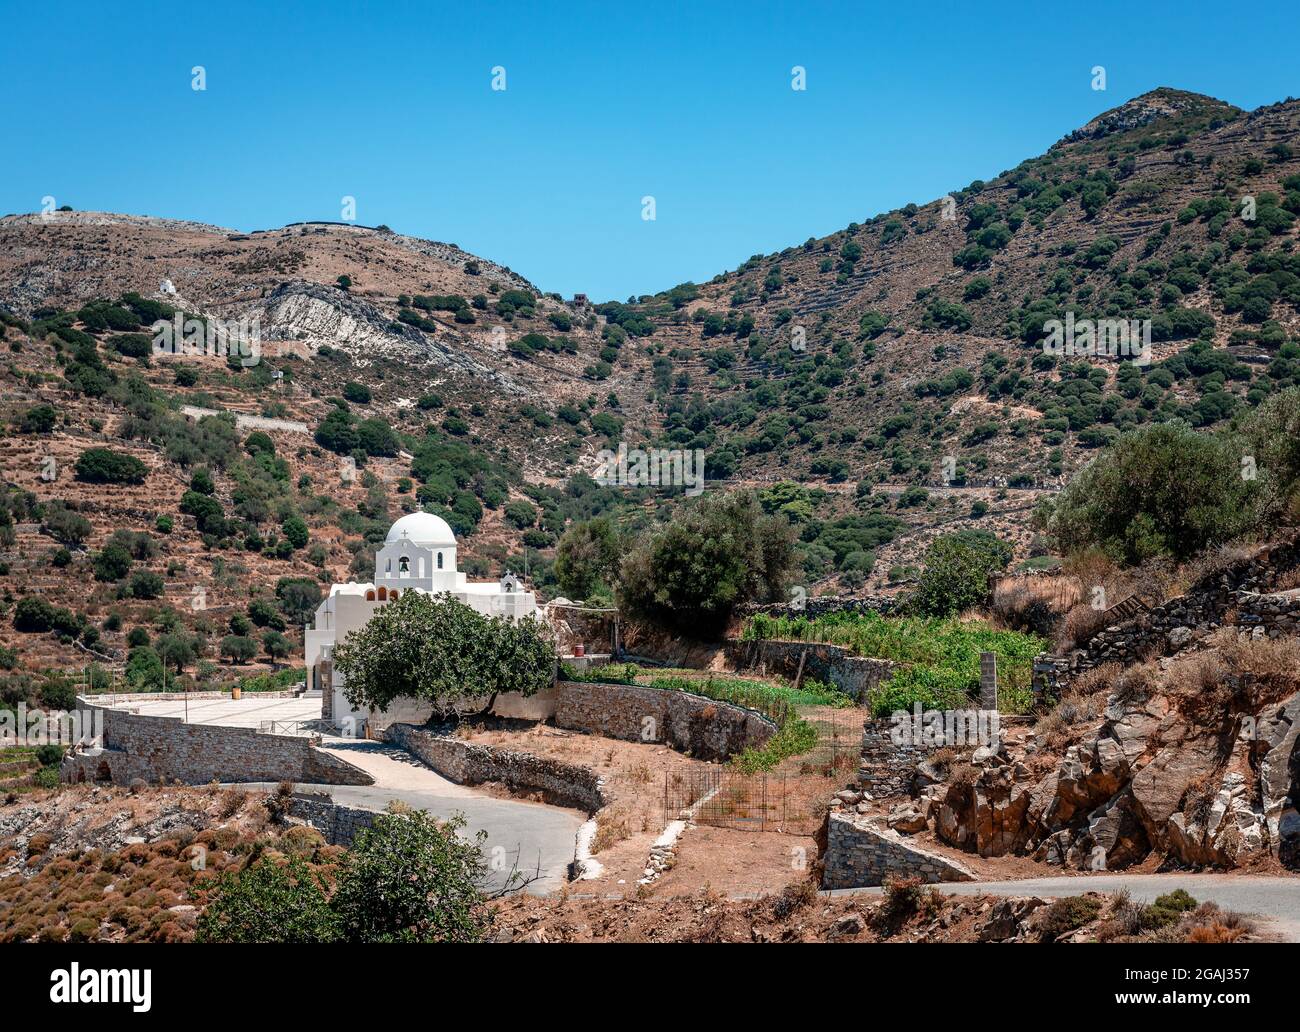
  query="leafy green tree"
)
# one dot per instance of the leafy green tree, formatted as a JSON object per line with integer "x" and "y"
{"x": 298, "y": 598}
{"x": 437, "y": 648}
{"x": 207, "y": 513}
{"x": 268, "y": 901}
{"x": 39, "y": 419}
{"x": 409, "y": 879}
{"x": 112, "y": 563}
{"x": 357, "y": 393}
{"x": 1273, "y": 435}
{"x": 1164, "y": 489}
{"x": 264, "y": 614}
{"x": 144, "y": 670}
{"x": 338, "y": 432}
{"x": 587, "y": 558}
{"x": 522, "y": 514}
{"x": 178, "y": 648}
{"x": 276, "y": 644}
{"x": 690, "y": 574}
{"x": 145, "y": 584}
{"x": 956, "y": 572}
{"x": 295, "y": 531}
{"x": 66, "y": 526}
{"x": 237, "y": 648}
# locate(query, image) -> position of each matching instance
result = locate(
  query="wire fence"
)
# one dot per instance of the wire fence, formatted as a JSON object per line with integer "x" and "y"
{"x": 721, "y": 798}
{"x": 790, "y": 801}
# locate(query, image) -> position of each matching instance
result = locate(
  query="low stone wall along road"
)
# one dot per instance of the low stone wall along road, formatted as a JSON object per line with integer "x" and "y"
{"x": 1274, "y": 902}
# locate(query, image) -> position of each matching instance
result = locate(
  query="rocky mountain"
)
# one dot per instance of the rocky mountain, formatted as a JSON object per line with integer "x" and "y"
{"x": 880, "y": 385}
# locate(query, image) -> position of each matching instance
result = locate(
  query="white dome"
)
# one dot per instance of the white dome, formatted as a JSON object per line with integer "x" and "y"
{"x": 423, "y": 528}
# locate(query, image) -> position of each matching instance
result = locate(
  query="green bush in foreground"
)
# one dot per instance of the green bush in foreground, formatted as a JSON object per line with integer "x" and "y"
{"x": 794, "y": 737}
{"x": 1162, "y": 490}
{"x": 406, "y": 879}
{"x": 269, "y": 902}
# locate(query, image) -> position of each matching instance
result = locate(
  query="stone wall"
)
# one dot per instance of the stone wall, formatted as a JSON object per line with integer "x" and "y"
{"x": 705, "y": 728}
{"x": 853, "y": 675}
{"x": 887, "y": 769}
{"x": 1210, "y": 602}
{"x": 861, "y": 852}
{"x": 821, "y": 605}
{"x": 154, "y": 749}
{"x": 512, "y": 705}
{"x": 563, "y": 784}
{"x": 120, "y": 698}
{"x": 1270, "y": 616}
{"x": 339, "y": 825}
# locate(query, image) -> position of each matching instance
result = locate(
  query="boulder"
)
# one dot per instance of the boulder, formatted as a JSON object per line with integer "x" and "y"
{"x": 1007, "y": 918}
{"x": 1159, "y": 787}
{"x": 907, "y": 818}
{"x": 1278, "y": 733}
{"x": 1231, "y": 832}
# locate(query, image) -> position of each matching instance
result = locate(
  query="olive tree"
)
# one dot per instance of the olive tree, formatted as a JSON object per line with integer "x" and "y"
{"x": 436, "y": 647}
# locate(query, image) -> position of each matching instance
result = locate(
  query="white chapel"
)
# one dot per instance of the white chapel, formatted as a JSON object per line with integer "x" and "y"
{"x": 419, "y": 554}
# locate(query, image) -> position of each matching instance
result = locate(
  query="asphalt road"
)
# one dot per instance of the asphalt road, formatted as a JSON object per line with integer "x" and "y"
{"x": 537, "y": 838}
{"x": 1274, "y": 901}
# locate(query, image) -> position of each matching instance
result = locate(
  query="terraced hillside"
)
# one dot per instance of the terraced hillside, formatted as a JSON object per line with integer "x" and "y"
{"x": 878, "y": 386}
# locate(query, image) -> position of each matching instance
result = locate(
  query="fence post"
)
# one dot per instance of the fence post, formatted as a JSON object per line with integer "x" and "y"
{"x": 988, "y": 680}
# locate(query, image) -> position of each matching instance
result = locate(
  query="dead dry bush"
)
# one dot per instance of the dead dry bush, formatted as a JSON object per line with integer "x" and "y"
{"x": 1074, "y": 709}
{"x": 1210, "y": 923}
{"x": 1034, "y": 604}
{"x": 1136, "y": 683}
{"x": 1198, "y": 673}
{"x": 1212, "y": 563}
{"x": 1079, "y": 626}
{"x": 1092, "y": 567}
{"x": 1270, "y": 667}
{"x": 793, "y": 897}
{"x": 1097, "y": 681}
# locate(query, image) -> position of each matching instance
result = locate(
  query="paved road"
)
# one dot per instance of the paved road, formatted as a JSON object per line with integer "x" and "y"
{"x": 534, "y": 835}
{"x": 1274, "y": 901}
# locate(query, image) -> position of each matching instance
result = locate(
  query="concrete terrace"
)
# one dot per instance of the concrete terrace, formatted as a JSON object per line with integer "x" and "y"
{"x": 249, "y": 711}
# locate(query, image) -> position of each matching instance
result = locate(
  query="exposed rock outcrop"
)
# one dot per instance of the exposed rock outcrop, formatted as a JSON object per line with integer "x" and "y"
{"x": 1147, "y": 780}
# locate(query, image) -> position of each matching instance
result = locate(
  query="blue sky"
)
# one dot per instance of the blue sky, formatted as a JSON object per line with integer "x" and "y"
{"x": 605, "y": 103}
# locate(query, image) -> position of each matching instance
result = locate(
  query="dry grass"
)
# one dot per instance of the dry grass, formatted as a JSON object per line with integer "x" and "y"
{"x": 1136, "y": 683}
{"x": 1273, "y": 664}
{"x": 1034, "y": 603}
{"x": 1099, "y": 680}
{"x": 1074, "y": 709}
{"x": 1078, "y": 627}
{"x": 1195, "y": 674}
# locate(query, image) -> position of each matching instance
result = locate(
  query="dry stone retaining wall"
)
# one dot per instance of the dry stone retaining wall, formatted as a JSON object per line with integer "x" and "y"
{"x": 887, "y": 769}
{"x": 861, "y": 852}
{"x": 706, "y": 728}
{"x": 565, "y": 784}
{"x": 339, "y": 825}
{"x": 821, "y": 605}
{"x": 834, "y": 664}
{"x": 154, "y": 749}
{"x": 1241, "y": 588}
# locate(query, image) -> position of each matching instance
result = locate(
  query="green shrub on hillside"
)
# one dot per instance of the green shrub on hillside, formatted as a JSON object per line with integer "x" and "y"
{"x": 105, "y": 466}
{"x": 956, "y": 571}
{"x": 1160, "y": 490}
{"x": 690, "y": 574}
{"x": 939, "y": 659}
